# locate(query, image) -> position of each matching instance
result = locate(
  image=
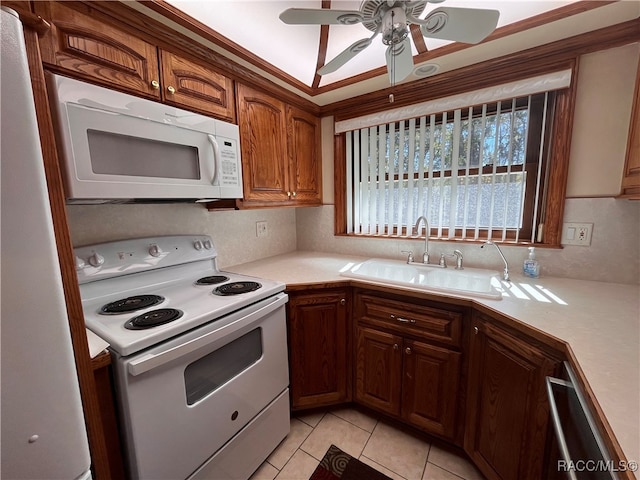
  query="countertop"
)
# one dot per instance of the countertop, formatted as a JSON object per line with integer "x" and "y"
{"x": 600, "y": 321}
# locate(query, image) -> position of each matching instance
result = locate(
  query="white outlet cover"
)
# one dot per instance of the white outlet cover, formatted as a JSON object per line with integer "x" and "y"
{"x": 577, "y": 234}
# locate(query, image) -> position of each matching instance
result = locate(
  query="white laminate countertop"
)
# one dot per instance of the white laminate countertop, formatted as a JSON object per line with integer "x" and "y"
{"x": 600, "y": 321}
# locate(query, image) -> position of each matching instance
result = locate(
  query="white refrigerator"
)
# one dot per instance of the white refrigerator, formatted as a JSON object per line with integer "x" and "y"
{"x": 42, "y": 426}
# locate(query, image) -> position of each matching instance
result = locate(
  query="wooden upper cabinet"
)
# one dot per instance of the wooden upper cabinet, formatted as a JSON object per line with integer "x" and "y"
{"x": 191, "y": 84}
{"x": 280, "y": 151}
{"x": 305, "y": 162}
{"x": 631, "y": 174}
{"x": 86, "y": 47}
{"x": 91, "y": 49}
{"x": 263, "y": 139}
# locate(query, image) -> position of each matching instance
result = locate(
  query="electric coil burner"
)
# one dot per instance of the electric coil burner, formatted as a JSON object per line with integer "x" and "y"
{"x": 131, "y": 304}
{"x": 236, "y": 288}
{"x": 212, "y": 280}
{"x": 153, "y": 318}
{"x": 199, "y": 373}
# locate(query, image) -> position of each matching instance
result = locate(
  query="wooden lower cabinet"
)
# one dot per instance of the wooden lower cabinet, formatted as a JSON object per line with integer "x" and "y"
{"x": 507, "y": 408}
{"x": 408, "y": 360}
{"x": 409, "y": 379}
{"x": 318, "y": 326}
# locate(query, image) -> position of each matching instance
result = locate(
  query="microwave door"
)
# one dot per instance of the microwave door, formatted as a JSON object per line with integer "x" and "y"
{"x": 115, "y": 155}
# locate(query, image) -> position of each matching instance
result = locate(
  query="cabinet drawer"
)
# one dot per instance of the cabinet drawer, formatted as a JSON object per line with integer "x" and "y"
{"x": 432, "y": 323}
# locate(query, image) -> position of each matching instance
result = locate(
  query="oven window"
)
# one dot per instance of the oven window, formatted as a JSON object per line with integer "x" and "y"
{"x": 208, "y": 373}
{"x": 116, "y": 154}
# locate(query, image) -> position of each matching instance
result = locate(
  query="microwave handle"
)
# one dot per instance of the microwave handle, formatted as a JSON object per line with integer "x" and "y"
{"x": 216, "y": 158}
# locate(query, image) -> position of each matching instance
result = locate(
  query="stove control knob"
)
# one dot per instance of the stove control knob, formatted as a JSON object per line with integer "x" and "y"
{"x": 197, "y": 245}
{"x": 96, "y": 260}
{"x": 155, "y": 250}
{"x": 80, "y": 263}
{"x": 208, "y": 245}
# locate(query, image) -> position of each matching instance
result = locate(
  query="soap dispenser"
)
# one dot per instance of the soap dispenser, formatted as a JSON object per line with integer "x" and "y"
{"x": 531, "y": 267}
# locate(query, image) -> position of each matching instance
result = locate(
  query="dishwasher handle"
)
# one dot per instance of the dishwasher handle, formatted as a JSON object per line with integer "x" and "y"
{"x": 153, "y": 360}
{"x": 557, "y": 426}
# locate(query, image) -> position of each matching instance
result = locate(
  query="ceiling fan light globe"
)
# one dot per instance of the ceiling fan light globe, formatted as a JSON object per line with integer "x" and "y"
{"x": 394, "y": 26}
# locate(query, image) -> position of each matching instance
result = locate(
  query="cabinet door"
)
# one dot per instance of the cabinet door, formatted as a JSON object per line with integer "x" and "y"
{"x": 430, "y": 386}
{"x": 262, "y": 121}
{"x": 379, "y": 370}
{"x": 192, "y": 85}
{"x": 87, "y": 47}
{"x": 318, "y": 345}
{"x": 305, "y": 164}
{"x": 507, "y": 409}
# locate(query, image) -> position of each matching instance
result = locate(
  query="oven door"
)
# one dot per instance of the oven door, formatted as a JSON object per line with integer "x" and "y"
{"x": 183, "y": 400}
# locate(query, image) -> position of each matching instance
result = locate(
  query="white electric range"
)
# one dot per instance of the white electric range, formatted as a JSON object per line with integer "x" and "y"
{"x": 200, "y": 355}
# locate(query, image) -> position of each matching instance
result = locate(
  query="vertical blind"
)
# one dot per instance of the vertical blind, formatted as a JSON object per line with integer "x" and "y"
{"x": 465, "y": 169}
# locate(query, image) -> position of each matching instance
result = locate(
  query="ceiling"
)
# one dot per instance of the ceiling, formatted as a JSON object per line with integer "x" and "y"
{"x": 254, "y": 25}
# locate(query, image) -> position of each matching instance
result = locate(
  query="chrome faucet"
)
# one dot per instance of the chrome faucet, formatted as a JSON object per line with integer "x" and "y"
{"x": 505, "y": 274}
{"x": 458, "y": 256}
{"x": 425, "y": 255}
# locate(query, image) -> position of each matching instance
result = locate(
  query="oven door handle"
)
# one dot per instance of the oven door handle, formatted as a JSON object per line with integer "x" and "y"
{"x": 152, "y": 360}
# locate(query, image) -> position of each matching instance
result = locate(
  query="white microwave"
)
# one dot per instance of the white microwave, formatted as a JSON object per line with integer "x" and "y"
{"x": 117, "y": 148}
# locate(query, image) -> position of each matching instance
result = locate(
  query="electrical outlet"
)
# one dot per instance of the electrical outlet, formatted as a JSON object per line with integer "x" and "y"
{"x": 577, "y": 234}
{"x": 261, "y": 229}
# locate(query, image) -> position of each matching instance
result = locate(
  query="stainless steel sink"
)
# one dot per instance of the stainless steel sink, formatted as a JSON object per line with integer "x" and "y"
{"x": 474, "y": 282}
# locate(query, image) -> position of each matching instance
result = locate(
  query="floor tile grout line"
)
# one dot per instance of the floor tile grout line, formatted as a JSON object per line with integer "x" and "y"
{"x": 351, "y": 423}
{"x": 383, "y": 466}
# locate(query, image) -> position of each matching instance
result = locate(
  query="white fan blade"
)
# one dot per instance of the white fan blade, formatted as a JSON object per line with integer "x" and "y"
{"x": 467, "y": 25}
{"x": 322, "y": 16}
{"x": 399, "y": 61}
{"x": 344, "y": 56}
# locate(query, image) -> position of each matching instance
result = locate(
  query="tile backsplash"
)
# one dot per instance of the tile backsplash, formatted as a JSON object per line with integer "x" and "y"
{"x": 233, "y": 232}
{"x": 613, "y": 256}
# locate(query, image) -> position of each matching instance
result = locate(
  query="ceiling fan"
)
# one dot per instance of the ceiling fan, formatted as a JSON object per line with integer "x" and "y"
{"x": 392, "y": 18}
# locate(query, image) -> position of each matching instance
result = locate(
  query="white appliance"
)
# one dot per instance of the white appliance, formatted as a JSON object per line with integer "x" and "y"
{"x": 118, "y": 148}
{"x": 200, "y": 356}
{"x": 43, "y": 430}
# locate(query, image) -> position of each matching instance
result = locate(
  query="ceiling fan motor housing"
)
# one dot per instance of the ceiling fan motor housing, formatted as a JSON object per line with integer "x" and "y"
{"x": 374, "y": 11}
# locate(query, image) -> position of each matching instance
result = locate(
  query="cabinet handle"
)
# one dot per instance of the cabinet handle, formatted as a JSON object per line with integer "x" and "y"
{"x": 171, "y": 90}
{"x": 289, "y": 194}
{"x": 294, "y": 193}
{"x": 395, "y": 346}
{"x": 402, "y": 319}
{"x": 343, "y": 301}
{"x": 407, "y": 351}
{"x": 155, "y": 84}
{"x": 475, "y": 330}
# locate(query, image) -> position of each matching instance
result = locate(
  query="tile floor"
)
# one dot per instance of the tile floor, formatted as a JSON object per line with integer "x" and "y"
{"x": 391, "y": 451}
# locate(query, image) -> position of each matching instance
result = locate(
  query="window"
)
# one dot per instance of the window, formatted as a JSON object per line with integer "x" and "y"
{"x": 479, "y": 172}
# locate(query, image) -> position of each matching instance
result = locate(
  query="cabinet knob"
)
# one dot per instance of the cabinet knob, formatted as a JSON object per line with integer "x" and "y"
{"x": 475, "y": 330}
{"x": 395, "y": 346}
{"x": 171, "y": 90}
{"x": 407, "y": 351}
{"x": 343, "y": 301}
{"x": 294, "y": 194}
{"x": 155, "y": 84}
{"x": 289, "y": 194}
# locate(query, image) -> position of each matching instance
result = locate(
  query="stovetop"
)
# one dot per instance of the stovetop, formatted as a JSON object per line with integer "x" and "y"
{"x": 133, "y": 267}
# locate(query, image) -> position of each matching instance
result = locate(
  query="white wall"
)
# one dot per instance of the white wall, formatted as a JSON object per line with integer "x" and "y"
{"x": 606, "y": 80}
{"x": 605, "y": 92}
